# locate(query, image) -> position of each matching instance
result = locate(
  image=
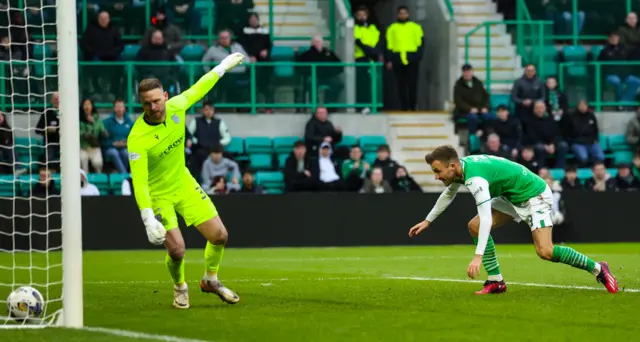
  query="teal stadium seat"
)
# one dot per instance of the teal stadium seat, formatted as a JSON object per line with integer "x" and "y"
{"x": 557, "y": 174}
{"x": 575, "y": 54}
{"x": 370, "y": 143}
{"x": 584, "y": 173}
{"x": 613, "y": 172}
{"x": 474, "y": 144}
{"x": 550, "y": 60}
{"x": 618, "y": 142}
{"x": 282, "y": 159}
{"x": 283, "y": 54}
{"x": 370, "y": 157}
{"x": 270, "y": 180}
{"x": 260, "y": 161}
{"x": 622, "y": 157}
{"x": 500, "y": 99}
{"x": 235, "y": 146}
{"x": 284, "y": 144}
{"x": 101, "y": 181}
{"x": 130, "y": 52}
{"x": 595, "y": 51}
{"x": 258, "y": 145}
{"x": 348, "y": 141}
{"x": 9, "y": 186}
{"x": 192, "y": 52}
{"x": 115, "y": 183}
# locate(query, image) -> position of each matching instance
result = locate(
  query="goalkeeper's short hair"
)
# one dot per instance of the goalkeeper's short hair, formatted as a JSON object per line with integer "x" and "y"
{"x": 149, "y": 84}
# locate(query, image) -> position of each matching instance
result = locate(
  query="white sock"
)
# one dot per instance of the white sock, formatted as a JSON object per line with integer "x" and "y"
{"x": 210, "y": 277}
{"x": 181, "y": 287}
{"x": 497, "y": 277}
{"x": 597, "y": 269}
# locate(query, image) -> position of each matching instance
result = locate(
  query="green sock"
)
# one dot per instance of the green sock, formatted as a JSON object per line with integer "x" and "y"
{"x": 176, "y": 269}
{"x": 489, "y": 258}
{"x": 570, "y": 256}
{"x": 212, "y": 257}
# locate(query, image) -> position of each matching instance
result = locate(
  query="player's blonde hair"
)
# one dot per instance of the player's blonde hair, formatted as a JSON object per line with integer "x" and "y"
{"x": 445, "y": 153}
{"x": 149, "y": 84}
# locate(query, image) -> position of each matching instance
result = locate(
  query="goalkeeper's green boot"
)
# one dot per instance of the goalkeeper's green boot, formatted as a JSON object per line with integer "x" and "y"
{"x": 181, "y": 296}
{"x": 214, "y": 286}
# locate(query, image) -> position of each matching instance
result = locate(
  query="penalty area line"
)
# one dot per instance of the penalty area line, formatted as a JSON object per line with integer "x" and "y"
{"x": 139, "y": 335}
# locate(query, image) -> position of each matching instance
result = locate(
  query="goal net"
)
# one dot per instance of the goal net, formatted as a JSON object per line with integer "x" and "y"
{"x": 38, "y": 150}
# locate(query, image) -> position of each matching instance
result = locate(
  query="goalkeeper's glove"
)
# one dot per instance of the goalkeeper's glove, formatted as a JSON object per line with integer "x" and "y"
{"x": 231, "y": 61}
{"x": 155, "y": 230}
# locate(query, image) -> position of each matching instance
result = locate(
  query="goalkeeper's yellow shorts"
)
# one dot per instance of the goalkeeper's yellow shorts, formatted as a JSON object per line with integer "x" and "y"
{"x": 192, "y": 203}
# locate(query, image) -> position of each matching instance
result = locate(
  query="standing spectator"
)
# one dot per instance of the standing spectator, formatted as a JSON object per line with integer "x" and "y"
{"x": 49, "y": 127}
{"x": 618, "y": 76}
{"x": 206, "y": 132}
{"x": 585, "y": 145}
{"x": 403, "y": 182}
{"x": 625, "y": 180}
{"x": 570, "y": 180}
{"x": 405, "y": 47}
{"x": 527, "y": 159}
{"x": 86, "y": 188}
{"x": 256, "y": 41}
{"x": 471, "y": 100}
{"x": 45, "y": 186}
{"x": 630, "y": 35}
{"x": 92, "y": 133}
{"x": 544, "y": 134}
{"x": 229, "y": 86}
{"x": 170, "y": 32}
{"x": 366, "y": 50}
{"x": 633, "y": 131}
{"x": 157, "y": 51}
{"x": 325, "y": 75}
{"x": 377, "y": 184}
{"x": 6, "y": 145}
{"x": 297, "y": 174}
{"x": 384, "y": 162}
{"x": 118, "y": 126}
{"x": 186, "y": 10}
{"x": 493, "y": 147}
{"x": 248, "y": 184}
{"x": 231, "y": 14}
{"x": 216, "y": 165}
{"x": 319, "y": 129}
{"x": 508, "y": 129}
{"x": 601, "y": 180}
{"x": 527, "y": 90}
{"x": 325, "y": 170}
{"x": 354, "y": 170}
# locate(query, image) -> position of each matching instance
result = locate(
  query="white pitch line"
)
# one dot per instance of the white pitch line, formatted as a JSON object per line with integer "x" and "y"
{"x": 139, "y": 335}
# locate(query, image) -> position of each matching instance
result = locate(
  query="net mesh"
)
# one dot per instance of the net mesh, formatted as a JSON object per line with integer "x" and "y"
{"x": 30, "y": 222}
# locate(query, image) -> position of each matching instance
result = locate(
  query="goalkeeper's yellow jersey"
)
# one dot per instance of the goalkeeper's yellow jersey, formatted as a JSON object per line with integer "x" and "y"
{"x": 156, "y": 151}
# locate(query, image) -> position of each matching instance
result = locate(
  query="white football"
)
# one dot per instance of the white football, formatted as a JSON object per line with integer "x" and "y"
{"x": 25, "y": 303}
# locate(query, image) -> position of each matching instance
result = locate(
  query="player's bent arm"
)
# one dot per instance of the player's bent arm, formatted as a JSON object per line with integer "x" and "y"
{"x": 446, "y": 197}
{"x": 479, "y": 188}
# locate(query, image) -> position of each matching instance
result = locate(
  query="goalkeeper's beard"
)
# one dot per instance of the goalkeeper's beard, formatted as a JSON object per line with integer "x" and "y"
{"x": 155, "y": 116}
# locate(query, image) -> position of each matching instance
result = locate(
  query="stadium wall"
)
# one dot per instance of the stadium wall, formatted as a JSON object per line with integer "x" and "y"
{"x": 313, "y": 220}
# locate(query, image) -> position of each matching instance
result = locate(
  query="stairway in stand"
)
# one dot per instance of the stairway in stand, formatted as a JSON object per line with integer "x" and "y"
{"x": 294, "y": 18}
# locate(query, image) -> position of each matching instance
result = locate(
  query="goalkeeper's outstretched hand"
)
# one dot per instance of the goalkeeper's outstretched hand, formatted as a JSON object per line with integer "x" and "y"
{"x": 155, "y": 230}
{"x": 232, "y": 60}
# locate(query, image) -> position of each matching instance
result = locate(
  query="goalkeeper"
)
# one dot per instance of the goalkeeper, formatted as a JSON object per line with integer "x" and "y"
{"x": 163, "y": 185}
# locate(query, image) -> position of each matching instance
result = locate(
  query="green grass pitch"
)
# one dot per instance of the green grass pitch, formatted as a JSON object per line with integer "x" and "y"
{"x": 346, "y": 294}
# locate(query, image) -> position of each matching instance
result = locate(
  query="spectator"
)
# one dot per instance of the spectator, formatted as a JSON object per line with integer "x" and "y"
{"x": 216, "y": 165}
{"x": 230, "y": 14}
{"x": 630, "y": 35}
{"x": 403, "y": 182}
{"x": 185, "y": 9}
{"x": 170, "y": 32}
{"x": 157, "y": 51}
{"x": 384, "y": 162}
{"x": 405, "y": 47}
{"x": 366, "y": 50}
{"x": 86, "y": 188}
{"x": 206, "y": 132}
{"x": 354, "y": 170}
{"x": 625, "y": 180}
{"x": 601, "y": 180}
{"x": 49, "y": 127}
{"x": 584, "y": 126}
{"x": 248, "y": 184}
{"x": 325, "y": 170}
{"x": 544, "y": 134}
{"x": 230, "y": 86}
{"x": 570, "y": 180}
{"x": 526, "y": 91}
{"x": 319, "y": 130}
{"x": 508, "y": 129}
{"x": 527, "y": 159}
{"x": 45, "y": 186}
{"x": 377, "y": 184}
{"x": 297, "y": 174}
{"x": 471, "y": 100}
{"x": 92, "y": 133}
{"x": 493, "y": 147}
{"x": 220, "y": 186}
{"x": 557, "y": 206}
{"x": 118, "y": 126}
{"x": 544, "y": 172}
{"x": 127, "y": 187}
{"x": 633, "y": 131}
{"x": 618, "y": 75}
{"x": 6, "y": 145}
{"x": 325, "y": 75}
{"x": 555, "y": 100}
{"x": 256, "y": 41}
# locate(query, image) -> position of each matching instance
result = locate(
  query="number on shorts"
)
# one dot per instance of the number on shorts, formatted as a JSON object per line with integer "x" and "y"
{"x": 199, "y": 189}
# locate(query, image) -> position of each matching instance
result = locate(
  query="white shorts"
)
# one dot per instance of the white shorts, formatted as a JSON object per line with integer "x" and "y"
{"x": 536, "y": 212}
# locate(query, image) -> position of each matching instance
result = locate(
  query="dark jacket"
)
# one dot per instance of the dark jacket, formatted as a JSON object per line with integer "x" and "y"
{"x": 49, "y": 118}
{"x": 291, "y": 172}
{"x": 405, "y": 184}
{"x": 499, "y": 153}
{"x": 509, "y": 131}
{"x": 543, "y": 130}
{"x": 584, "y": 128}
{"x": 155, "y": 53}
{"x": 630, "y": 183}
{"x": 612, "y": 53}
{"x": 254, "y": 189}
{"x": 527, "y": 88}
{"x": 6, "y": 134}
{"x": 610, "y": 184}
{"x": 531, "y": 165}
{"x": 467, "y": 96}
{"x": 555, "y": 98}
{"x": 42, "y": 191}
{"x": 566, "y": 186}
{"x": 389, "y": 168}
{"x": 254, "y": 40}
{"x": 104, "y": 44}
{"x": 629, "y": 37}
{"x": 323, "y": 56}
{"x": 316, "y": 130}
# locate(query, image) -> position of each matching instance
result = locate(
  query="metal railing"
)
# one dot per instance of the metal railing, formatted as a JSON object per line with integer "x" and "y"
{"x": 449, "y": 8}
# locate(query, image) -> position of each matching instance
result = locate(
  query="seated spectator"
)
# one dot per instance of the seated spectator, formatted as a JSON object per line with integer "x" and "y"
{"x": 557, "y": 104}
{"x": 45, "y": 186}
{"x": 471, "y": 100}
{"x": 494, "y": 148}
{"x": 216, "y": 165}
{"x": 544, "y": 134}
{"x": 320, "y": 130}
{"x": 92, "y": 133}
{"x": 157, "y": 51}
{"x": 206, "y": 131}
{"x": 86, "y": 188}
{"x": 618, "y": 76}
{"x": 256, "y": 41}
{"x": 527, "y": 159}
{"x": 557, "y": 207}
{"x": 248, "y": 184}
{"x": 355, "y": 170}
{"x": 601, "y": 180}
{"x": 328, "y": 76}
{"x": 220, "y": 186}
{"x": 384, "y": 161}
{"x": 325, "y": 170}
{"x": 6, "y": 146}
{"x": 230, "y": 86}
{"x": 127, "y": 187}
{"x": 170, "y": 32}
{"x": 570, "y": 181}
{"x": 625, "y": 180}
{"x": 509, "y": 130}
{"x": 585, "y": 135}
{"x": 377, "y": 184}
{"x": 526, "y": 91}
{"x": 49, "y": 127}
{"x": 544, "y": 172}
{"x": 297, "y": 174}
{"x": 403, "y": 182}
{"x": 186, "y": 10}
{"x": 231, "y": 14}
{"x": 118, "y": 126}
{"x": 630, "y": 35}
{"x": 633, "y": 131}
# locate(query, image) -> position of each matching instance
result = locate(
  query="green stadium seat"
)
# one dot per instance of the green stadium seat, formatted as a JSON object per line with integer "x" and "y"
{"x": 550, "y": 59}
{"x": 204, "y": 4}
{"x": 618, "y": 142}
{"x": 260, "y": 161}
{"x": 101, "y": 181}
{"x": 370, "y": 143}
{"x": 42, "y": 51}
{"x": 348, "y": 141}
{"x": 282, "y": 159}
{"x": 575, "y": 54}
{"x": 207, "y": 20}
{"x": 595, "y": 51}
{"x": 236, "y": 146}
{"x": 613, "y": 172}
{"x": 192, "y": 52}
{"x": 284, "y": 71}
{"x": 584, "y": 173}
{"x": 557, "y": 174}
{"x": 258, "y": 145}
{"x": 622, "y": 157}
{"x": 604, "y": 142}
{"x": 274, "y": 191}
{"x": 370, "y": 157}
{"x": 130, "y": 52}
{"x": 474, "y": 144}
{"x": 115, "y": 182}
{"x": 282, "y": 53}
{"x": 284, "y": 144}
{"x": 270, "y": 179}
{"x": 500, "y": 99}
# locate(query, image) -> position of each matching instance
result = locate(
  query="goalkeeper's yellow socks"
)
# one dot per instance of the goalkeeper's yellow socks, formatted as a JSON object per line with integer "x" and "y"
{"x": 490, "y": 260}
{"x": 212, "y": 257}
{"x": 176, "y": 269}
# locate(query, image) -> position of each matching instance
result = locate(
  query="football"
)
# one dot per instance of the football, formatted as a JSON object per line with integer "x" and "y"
{"x": 25, "y": 303}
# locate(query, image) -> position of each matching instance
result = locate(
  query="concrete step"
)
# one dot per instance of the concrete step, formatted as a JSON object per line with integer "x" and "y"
{"x": 292, "y": 5}
{"x": 480, "y": 40}
{"x": 298, "y": 18}
{"x": 472, "y": 2}
{"x": 473, "y": 8}
{"x": 299, "y": 30}
{"x": 495, "y": 62}
{"x": 477, "y": 18}
{"x": 464, "y": 28}
{"x": 481, "y": 52}
{"x": 501, "y": 87}
{"x": 497, "y": 73}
